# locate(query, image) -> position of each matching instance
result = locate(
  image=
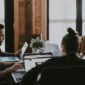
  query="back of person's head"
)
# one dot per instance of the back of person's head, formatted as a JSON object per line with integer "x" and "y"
{"x": 1, "y": 26}
{"x": 70, "y": 41}
{"x": 82, "y": 45}
{"x": 1, "y": 33}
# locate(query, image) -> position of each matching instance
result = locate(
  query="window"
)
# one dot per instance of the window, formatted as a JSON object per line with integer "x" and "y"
{"x": 2, "y": 20}
{"x": 62, "y": 14}
{"x": 83, "y": 17}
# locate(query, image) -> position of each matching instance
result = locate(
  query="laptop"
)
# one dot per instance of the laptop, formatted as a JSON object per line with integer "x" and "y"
{"x": 23, "y": 49}
{"x": 34, "y": 60}
{"x": 18, "y": 75}
{"x": 30, "y": 61}
{"x": 14, "y": 58}
{"x": 53, "y": 48}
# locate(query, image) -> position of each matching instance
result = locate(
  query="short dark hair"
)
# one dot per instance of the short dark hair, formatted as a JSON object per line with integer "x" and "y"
{"x": 70, "y": 41}
{"x": 1, "y": 26}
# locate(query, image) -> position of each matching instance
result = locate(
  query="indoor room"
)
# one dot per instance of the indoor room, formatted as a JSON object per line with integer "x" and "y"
{"x": 40, "y": 40}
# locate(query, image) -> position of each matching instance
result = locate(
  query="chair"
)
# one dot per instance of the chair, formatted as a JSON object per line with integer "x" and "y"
{"x": 67, "y": 75}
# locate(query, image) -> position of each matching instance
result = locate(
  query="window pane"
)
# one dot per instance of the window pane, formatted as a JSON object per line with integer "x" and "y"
{"x": 58, "y": 30}
{"x": 1, "y": 9}
{"x": 83, "y": 9}
{"x": 83, "y": 30}
{"x": 62, "y": 14}
{"x": 2, "y": 20}
{"x": 83, "y": 16}
{"x": 62, "y": 9}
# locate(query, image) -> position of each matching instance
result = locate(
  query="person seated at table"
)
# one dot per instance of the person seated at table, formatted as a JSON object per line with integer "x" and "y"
{"x": 1, "y": 41}
{"x": 8, "y": 67}
{"x": 6, "y": 64}
{"x": 70, "y": 46}
{"x": 5, "y": 69}
{"x": 82, "y": 47}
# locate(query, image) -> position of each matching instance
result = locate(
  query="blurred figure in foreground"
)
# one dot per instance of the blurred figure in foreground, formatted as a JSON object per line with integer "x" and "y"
{"x": 70, "y": 46}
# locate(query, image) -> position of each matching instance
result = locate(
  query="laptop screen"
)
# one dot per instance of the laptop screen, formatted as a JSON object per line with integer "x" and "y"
{"x": 23, "y": 49}
{"x": 31, "y": 61}
{"x": 50, "y": 47}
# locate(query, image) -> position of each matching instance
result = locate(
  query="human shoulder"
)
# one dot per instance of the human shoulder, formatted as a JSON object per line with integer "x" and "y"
{"x": 2, "y": 54}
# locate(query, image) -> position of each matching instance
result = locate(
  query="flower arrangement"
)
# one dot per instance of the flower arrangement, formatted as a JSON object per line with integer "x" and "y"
{"x": 36, "y": 43}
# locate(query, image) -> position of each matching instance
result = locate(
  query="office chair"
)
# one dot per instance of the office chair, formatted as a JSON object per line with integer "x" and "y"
{"x": 67, "y": 75}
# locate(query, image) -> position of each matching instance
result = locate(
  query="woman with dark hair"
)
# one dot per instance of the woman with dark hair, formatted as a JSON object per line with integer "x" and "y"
{"x": 82, "y": 47}
{"x": 70, "y": 42}
{"x": 69, "y": 45}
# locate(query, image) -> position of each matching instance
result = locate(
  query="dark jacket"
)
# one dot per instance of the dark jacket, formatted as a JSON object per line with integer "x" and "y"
{"x": 68, "y": 60}
{"x": 3, "y": 54}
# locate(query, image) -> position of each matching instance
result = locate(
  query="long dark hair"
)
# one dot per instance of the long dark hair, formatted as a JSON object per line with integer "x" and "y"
{"x": 1, "y": 26}
{"x": 70, "y": 41}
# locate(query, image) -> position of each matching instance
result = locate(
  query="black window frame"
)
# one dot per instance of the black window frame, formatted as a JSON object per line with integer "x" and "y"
{"x": 9, "y": 25}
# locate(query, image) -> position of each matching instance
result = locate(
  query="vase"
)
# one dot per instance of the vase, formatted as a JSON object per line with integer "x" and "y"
{"x": 34, "y": 50}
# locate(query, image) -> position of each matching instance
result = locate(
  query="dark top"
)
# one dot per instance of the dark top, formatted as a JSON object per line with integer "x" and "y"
{"x": 67, "y": 60}
{"x": 2, "y": 54}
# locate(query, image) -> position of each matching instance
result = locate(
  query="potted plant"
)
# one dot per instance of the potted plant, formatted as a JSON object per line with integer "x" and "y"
{"x": 36, "y": 45}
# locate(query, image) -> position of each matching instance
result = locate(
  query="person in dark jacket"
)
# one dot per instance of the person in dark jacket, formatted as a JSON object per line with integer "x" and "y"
{"x": 8, "y": 66}
{"x": 1, "y": 41}
{"x": 69, "y": 57}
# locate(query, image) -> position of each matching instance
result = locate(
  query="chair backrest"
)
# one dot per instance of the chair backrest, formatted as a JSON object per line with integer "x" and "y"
{"x": 72, "y": 75}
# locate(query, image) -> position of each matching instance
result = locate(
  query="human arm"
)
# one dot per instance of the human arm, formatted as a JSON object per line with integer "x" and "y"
{"x": 16, "y": 54}
{"x": 7, "y": 64}
{"x": 10, "y": 69}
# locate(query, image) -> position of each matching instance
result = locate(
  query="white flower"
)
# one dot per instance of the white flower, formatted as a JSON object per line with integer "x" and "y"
{"x": 36, "y": 43}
